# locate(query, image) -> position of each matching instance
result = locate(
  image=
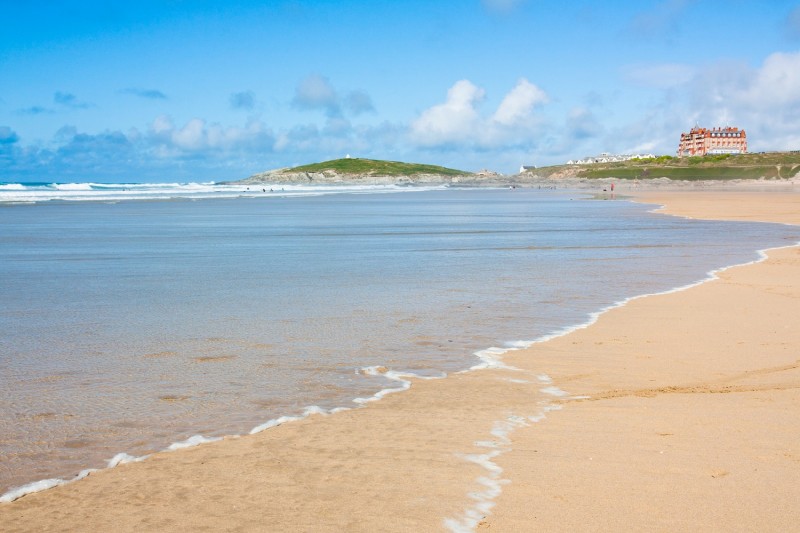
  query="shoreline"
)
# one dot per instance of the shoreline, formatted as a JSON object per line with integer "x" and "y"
{"x": 399, "y": 381}
{"x": 504, "y": 399}
{"x": 689, "y": 425}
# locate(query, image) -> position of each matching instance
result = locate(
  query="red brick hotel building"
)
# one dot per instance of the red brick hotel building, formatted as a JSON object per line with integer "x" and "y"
{"x": 702, "y": 141}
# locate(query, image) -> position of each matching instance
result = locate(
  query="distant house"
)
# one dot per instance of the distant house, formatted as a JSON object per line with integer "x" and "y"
{"x": 702, "y": 141}
{"x": 527, "y": 168}
{"x": 608, "y": 158}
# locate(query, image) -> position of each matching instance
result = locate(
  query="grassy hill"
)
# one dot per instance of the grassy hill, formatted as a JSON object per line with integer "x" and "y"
{"x": 374, "y": 167}
{"x": 771, "y": 165}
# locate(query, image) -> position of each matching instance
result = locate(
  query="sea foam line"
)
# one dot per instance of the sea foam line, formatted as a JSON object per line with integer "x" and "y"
{"x": 593, "y": 317}
{"x": 404, "y": 378}
{"x": 492, "y": 481}
{"x": 491, "y": 359}
{"x": 18, "y": 193}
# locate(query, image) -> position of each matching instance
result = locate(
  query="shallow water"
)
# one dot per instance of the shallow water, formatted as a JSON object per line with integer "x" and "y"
{"x": 132, "y": 325}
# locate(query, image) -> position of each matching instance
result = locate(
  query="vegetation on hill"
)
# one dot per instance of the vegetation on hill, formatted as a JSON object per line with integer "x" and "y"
{"x": 771, "y": 165}
{"x": 374, "y": 167}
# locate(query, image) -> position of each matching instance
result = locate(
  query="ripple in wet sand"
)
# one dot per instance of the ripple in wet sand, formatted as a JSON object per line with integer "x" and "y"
{"x": 173, "y": 398}
{"x": 213, "y": 358}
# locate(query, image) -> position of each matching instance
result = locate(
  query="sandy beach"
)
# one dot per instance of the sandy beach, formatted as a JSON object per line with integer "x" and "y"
{"x": 674, "y": 412}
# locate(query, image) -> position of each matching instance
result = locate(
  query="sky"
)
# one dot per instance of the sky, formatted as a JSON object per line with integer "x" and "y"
{"x": 182, "y": 90}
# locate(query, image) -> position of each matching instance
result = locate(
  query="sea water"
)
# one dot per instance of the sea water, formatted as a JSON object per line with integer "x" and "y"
{"x": 128, "y": 323}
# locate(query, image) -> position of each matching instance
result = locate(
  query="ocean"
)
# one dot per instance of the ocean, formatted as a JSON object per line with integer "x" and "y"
{"x": 135, "y": 317}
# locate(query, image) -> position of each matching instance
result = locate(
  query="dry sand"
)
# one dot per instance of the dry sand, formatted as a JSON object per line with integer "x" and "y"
{"x": 692, "y": 423}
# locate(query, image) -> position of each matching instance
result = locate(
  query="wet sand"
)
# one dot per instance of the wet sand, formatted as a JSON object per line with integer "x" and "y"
{"x": 676, "y": 412}
{"x": 694, "y": 415}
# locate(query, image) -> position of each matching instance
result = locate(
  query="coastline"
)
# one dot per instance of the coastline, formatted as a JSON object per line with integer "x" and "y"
{"x": 445, "y": 450}
{"x": 692, "y": 415}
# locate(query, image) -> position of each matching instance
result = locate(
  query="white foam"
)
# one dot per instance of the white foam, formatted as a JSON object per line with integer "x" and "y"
{"x": 400, "y": 377}
{"x": 30, "y": 488}
{"x": 308, "y": 411}
{"x": 491, "y": 358}
{"x": 194, "y": 440}
{"x": 38, "y": 486}
{"x": 123, "y": 459}
{"x": 72, "y": 186}
{"x": 114, "y": 192}
{"x": 554, "y": 391}
{"x": 45, "y": 484}
{"x": 274, "y": 422}
{"x": 492, "y": 482}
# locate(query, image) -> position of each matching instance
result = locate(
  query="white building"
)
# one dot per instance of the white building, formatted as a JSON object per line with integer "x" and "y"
{"x": 609, "y": 158}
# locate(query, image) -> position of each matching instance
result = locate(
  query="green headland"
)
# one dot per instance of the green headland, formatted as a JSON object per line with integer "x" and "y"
{"x": 375, "y": 167}
{"x": 354, "y": 171}
{"x": 769, "y": 165}
{"x": 357, "y": 171}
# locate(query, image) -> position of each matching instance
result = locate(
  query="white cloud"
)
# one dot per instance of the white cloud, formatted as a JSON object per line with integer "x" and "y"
{"x": 518, "y": 105}
{"x": 192, "y": 136}
{"x": 765, "y": 101}
{"x": 776, "y": 83}
{"x": 197, "y": 136}
{"x": 457, "y": 121}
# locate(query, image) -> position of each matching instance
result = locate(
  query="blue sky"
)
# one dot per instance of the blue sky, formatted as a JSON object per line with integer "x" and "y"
{"x": 181, "y": 90}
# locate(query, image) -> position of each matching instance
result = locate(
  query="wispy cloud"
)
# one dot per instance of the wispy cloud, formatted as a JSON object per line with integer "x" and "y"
{"x": 69, "y": 100}
{"x": 659, "y": 76}
{"x": 7, "y": 135}
{"x": 662, "y": 20}
{"x": 582, "y": 124}
{"x": 149, "y": 94}
{"x": 358, "y": 102}
{"x": 317, "y": 92}
{"x": 243, "y": 100}
{"x": 792, "y": 25}
{"x": 36, "y": 110}
{"x": 502, "y": 6}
